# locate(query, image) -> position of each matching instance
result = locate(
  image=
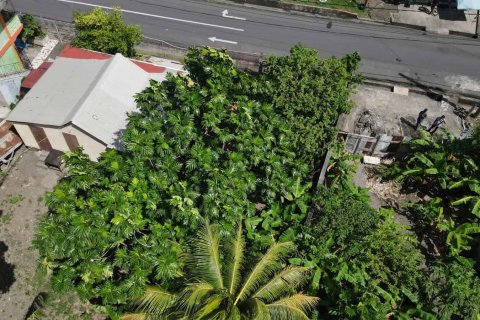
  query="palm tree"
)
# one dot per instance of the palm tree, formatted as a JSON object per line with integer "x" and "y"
{"x": 217, "y": 287}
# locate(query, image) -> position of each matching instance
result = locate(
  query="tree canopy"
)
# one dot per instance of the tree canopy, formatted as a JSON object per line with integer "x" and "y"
{"x": 209, "y": 144}
{"x": 219, "y": 284}
{"x": 311, "y": 93}
{"x": 444, "y": 172}
{"x": 105, "y": 32}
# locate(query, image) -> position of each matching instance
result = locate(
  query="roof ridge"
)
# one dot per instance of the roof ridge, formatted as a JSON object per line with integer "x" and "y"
{"x": 88, "y": 92}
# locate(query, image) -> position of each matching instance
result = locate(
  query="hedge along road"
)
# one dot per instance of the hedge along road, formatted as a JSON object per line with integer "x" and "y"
{"x": 388, "y": 52}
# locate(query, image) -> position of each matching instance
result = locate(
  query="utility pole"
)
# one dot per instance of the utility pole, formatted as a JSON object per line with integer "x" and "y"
{"x": 475, "y": 36}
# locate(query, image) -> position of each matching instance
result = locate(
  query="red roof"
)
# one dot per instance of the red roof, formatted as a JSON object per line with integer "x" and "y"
{"x": 78, "y": 53}
{"x": 35, "y": 75}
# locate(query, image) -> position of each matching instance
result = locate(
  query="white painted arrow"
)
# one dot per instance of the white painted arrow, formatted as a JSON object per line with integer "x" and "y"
{"x": 215, "y": 39}
{"x": 225, "y": 15}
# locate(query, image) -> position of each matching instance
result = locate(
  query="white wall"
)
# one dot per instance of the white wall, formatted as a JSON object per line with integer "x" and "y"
{"x": 26, "y": 135}
{"x": 10, "y": 87}
{"x": 91, "y": 147}
{"x": 55, "y": 136}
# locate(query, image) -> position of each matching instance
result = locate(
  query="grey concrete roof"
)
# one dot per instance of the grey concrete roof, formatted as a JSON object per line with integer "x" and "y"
{"x": 94, "y": 95}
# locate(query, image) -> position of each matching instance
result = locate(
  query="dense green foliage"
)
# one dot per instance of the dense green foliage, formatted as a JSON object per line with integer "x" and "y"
{"x": 207, "y": 145}
{"x": 311, "y": 93}
{"x": 445, "y": 172}
{"x": 105, "y": 32}
{"x": 454, "y": 289}
{"x": 218, "y": 286}
{"x": 225, "y": 146}
{"x": 30, "y": 28}
{"x": 366, "y": 264}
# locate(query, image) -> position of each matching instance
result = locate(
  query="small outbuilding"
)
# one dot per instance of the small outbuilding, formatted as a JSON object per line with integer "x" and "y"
{"x": 82, "y": 102}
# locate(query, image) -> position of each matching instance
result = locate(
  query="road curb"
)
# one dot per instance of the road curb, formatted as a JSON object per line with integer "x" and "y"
{"x": 293, "y": 8}
{"x": 336, "y": 14}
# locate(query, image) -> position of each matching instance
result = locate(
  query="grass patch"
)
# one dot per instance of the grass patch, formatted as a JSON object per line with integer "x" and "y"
{"x": 15, "y": 199}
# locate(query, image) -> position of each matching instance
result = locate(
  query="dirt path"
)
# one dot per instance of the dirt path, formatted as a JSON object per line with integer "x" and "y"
{"x": 21, "y": 205}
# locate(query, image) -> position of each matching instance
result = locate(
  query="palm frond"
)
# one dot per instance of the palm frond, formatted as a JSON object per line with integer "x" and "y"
{"x": 235, "y": 259}
{"x": 133, "y": 316}
{"x": 156, "y": 302}
{"x": 206, "y": 264}
{"x": 254, "y": 309}
{"x": 281, "y": 285}
{"x": 270, "y": 263}
{"x": 297, "y": 306}
{"x": 210, "y": 307}
{"x": 193, "y": 296}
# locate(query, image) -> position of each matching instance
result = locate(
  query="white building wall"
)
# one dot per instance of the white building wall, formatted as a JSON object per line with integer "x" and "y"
{"x": 26, "y": 135}
{"x": 10, "y": 87}
{"x": 91, "y": 146}
{"x": 57, "y": 141}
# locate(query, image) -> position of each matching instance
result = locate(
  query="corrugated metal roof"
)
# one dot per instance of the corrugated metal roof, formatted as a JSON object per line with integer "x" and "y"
{"x": 95, "y": 95}
{"x": 35, "y": 75}
{"x": 79, "y": 53}
{"x": 8, "y": 140}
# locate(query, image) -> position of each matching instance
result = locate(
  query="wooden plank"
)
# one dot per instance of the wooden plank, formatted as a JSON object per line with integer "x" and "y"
{"x": 40, "y": 137}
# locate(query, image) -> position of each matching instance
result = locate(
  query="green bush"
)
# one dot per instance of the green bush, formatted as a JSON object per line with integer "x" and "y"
{"x": 30, "y": 28}
{"x": 105, "y": 32}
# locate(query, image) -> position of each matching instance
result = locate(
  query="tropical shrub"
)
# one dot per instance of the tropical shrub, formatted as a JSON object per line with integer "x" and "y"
{"x": 447, "y": 170}
{"x": 453, "y": 289}
{"x": 367, "y": 266}
{"x": 311, "y": 93}
{"x": 105, "y": 32}
{"x": 217, "y": 286}
{"x": 30, "y": 27}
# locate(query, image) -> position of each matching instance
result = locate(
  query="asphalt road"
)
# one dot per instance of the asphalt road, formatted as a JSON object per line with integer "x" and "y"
{"x": 388, "y": 52}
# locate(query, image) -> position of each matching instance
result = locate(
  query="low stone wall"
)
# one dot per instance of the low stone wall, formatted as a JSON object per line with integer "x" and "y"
{"x": 301, "y": 8}
{"x": 243, "y": 60}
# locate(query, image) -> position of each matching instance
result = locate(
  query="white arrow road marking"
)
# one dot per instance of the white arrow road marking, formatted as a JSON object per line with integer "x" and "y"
{"x": 225, "y": 15}
{"x": 152, "y": 15}
{"x": 214, "y": 39}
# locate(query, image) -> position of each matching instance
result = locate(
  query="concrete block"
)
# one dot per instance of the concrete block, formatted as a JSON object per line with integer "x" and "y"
{"x": 400, "y": 90}
{"x": 371, "y": 160}
{"x": 41, "y": 41}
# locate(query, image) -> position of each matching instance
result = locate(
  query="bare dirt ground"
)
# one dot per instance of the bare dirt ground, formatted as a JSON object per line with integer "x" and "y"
{"x": 21, "y": 202}
{"x": 23, "y": 288}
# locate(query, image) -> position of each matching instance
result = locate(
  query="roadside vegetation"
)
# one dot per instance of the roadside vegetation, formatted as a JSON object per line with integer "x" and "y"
{"x": 203, "y": 215}
{"x": 343, "y": 5}
{"x": 30, "y": 28}
{"x": 106, "y": 32}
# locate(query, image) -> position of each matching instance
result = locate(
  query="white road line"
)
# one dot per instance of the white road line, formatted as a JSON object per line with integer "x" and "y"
{"x": 213, "y": 39}
{"x": 152, "y": 15}
{"x": 225, "y": 15}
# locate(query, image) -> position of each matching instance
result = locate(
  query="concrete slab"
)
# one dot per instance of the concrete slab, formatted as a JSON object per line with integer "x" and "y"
{"x": 371, "y": 160}
{"x": 445, "y": 22}
{"x": 400, "y": 90}
{"x": 381, "y": 111}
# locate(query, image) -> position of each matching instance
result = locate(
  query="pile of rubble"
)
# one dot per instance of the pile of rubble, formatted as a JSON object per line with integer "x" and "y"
{"x": 369, "y": 124}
